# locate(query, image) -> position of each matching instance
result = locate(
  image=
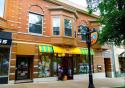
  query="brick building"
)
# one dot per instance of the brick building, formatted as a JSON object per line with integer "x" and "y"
{"x": 42, "y": 36}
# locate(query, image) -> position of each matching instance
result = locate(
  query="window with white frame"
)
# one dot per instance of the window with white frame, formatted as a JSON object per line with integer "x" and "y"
{"x": 2, "y": 7}
{"x": 35, "y": 23}
{"x": 56, "y": 25}
{"x": 68, "y": 27}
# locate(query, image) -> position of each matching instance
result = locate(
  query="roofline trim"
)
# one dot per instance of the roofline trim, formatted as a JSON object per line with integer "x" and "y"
{"x": 64, "y": 8}
{"x": 77, "y": 9}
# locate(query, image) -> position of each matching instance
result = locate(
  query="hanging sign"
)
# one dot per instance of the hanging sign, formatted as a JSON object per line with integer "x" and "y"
{"x": 94, "y": 38}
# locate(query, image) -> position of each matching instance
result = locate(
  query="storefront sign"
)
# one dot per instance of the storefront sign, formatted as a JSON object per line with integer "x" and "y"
{"x": 5, "y": 38}
{"x": 94, "y": 37}
{"x": 5, "y": 41}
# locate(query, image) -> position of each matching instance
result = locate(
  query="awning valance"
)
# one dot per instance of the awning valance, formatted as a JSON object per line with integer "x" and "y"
{"x": 84, "y": 51}
{"x": 46, "y": 48}
{"x": 58, "y": 49}
{"x": 77, "y": 50}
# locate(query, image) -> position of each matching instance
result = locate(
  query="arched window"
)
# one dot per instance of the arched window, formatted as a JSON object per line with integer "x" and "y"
{"x": 35, "y": 23}
{"x": 36, "y": 20}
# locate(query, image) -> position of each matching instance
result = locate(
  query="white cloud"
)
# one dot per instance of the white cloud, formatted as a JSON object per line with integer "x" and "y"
{"x": 83, "y": 5}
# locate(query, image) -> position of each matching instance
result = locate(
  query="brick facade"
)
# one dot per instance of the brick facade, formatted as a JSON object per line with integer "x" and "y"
{"x": 16, "y": 20}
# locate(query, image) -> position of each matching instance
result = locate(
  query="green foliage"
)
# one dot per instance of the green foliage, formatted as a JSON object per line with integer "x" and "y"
{"x": 112, "y": 16}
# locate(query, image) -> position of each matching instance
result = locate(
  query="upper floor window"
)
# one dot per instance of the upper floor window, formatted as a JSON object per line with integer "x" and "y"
{"x": 35, "y": 23}
{"x": 68, "y": 27}
{"x": 1, "y": 7}
{"x": 56, "y": 25}
{"x": 83, "y": 29}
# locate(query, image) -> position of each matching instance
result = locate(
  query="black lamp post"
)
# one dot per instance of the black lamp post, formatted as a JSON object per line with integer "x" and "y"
{"x": 85, "y": 31}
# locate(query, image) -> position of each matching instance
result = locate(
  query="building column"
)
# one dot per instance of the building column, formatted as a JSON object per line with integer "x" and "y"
{"x": 35, "y": 65}
{"x": 12, "y": 67}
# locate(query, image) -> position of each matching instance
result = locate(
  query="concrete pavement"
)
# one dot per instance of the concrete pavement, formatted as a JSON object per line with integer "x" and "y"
{"x": 80, "y": 83}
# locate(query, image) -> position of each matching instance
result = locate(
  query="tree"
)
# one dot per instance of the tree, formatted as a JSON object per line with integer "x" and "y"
{"x": 112, "y": 16}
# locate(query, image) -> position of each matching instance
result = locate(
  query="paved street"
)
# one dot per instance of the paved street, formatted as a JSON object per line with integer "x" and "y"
{"x": 98, "y": 82}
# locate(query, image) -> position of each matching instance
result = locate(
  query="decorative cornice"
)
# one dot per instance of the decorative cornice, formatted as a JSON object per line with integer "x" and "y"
{"x": 72, "y": 10}
{"x": 71, "y": 7}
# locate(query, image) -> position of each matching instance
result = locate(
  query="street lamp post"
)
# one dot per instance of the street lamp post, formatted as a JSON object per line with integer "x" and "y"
{"x": 90, "y": 39}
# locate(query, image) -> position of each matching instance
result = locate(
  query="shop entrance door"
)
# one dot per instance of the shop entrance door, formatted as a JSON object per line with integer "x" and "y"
{"x": 23, "y": 65}
{"x": 67, "y": 64}
{"x": 107, "y": 62}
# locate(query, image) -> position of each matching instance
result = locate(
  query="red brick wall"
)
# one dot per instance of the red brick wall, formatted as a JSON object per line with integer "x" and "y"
{"x": 17, "y": 16}
{"x": 17, "y": 13}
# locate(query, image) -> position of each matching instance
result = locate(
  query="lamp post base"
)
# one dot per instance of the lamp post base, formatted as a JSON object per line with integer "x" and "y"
{"x": 91, "y": 86}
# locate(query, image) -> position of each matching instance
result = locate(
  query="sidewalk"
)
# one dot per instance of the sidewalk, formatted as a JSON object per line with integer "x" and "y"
{"x": 81, "y": 83}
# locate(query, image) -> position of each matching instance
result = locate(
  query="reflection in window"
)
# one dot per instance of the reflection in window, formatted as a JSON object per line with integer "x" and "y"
{"x": 35, "y": 23}
{"x": 44, "y": 66}
{"x": 81, "y": 65}
{"x": 83, "y": 29}
{"x": 68, "y": 27}
{"x": 56, "y": 25}
{"x": 1, "y": 7}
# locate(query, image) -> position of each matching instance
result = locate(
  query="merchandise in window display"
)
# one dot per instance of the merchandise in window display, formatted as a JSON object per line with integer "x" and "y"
{"x": 83, "y": 68}
{"x": 44, "y": 66}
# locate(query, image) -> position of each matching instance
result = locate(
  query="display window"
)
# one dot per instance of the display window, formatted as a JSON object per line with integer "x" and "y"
{"x": 44, "y": 66}
{"x": 4, "y": 62}
{"x": 81, "y": 64}
{"x": 48, "y": 66}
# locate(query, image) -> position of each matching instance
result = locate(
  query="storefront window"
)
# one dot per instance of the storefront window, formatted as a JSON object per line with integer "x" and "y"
{"x": 55, "y": 65}
{"x": 44, "y": 66}
{"x": 4, "y": 61}
{"x": 122, "y": 65}
{"x": 83, "y": 68}
{"x": 81, "y": 65}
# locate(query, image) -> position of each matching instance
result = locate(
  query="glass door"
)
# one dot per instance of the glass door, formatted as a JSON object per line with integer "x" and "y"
{"x": 23, "y": 68}
{"x": 67, "y": 64}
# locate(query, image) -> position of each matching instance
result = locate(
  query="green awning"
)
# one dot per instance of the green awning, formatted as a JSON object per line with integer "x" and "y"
{"x": 84, "y": 51}
{"x": 45, "y": 48}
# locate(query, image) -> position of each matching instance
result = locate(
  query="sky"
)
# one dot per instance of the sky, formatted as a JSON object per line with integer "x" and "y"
{"x": 83, "y": 4}
{"x": 80, "y": 2}
{"x": 1, "y": 8}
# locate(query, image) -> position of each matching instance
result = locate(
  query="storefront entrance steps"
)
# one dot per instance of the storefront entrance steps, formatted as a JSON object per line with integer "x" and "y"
{"x": 23, "y": 81}
{"x": 47, "y": 79}
{"x": 75, "y": 77}
{"x": 85, "y": 76}
{"x": 52, "y": 79}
